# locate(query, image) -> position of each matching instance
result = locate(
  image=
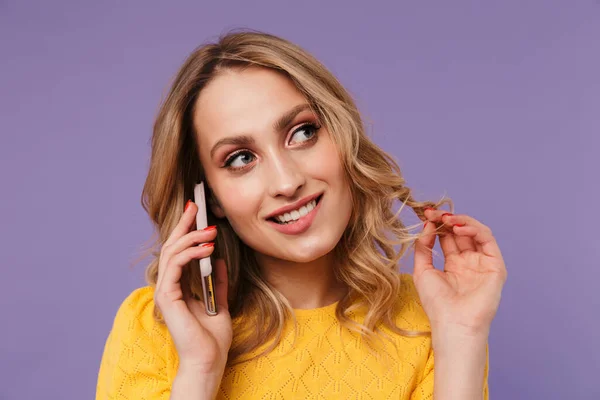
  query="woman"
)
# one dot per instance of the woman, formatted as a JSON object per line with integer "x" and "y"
{"x": 311, "y": 302}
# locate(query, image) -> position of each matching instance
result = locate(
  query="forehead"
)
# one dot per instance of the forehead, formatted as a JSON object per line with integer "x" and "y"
{"x": 243, "y": 101}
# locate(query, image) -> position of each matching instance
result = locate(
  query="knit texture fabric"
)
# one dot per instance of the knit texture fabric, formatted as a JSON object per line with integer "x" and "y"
{"x": 321, "y": 361}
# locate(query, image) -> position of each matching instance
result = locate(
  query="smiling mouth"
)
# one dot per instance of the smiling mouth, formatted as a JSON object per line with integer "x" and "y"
{"x": 299, "y": 216}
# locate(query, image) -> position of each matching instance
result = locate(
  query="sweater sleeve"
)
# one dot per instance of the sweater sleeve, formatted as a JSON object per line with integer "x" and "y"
{"x": 424, "y": 389}
{"x": 415, "y": 318}
{"x": 138, "y": 358}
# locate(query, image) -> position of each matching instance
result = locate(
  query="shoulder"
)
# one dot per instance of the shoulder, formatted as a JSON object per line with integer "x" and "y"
{"x": 139, "y": 356}
{"x": 136, "y": 311}
{"x": 411, "y": 315}
{"x": 134, "y": 320}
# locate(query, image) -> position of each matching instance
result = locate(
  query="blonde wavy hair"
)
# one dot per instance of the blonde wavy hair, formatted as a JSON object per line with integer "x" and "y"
{"x": 367, "y": 257}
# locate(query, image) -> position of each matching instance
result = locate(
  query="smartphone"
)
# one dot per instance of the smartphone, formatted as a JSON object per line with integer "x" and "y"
{"x": 206, "y": 270}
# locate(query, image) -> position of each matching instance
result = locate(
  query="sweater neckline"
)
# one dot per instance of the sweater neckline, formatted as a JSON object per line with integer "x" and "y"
{"x": 312, "y": 312}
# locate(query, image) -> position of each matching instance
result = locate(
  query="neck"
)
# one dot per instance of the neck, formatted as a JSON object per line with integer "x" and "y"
{"x": 305, "y": 285}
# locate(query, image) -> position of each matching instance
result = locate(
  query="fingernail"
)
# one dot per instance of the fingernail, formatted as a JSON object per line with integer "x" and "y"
{"x": 429, "y": 208}
{"x": 459, "y": 224}
{"x": 425, "y": 224}
{"x": 442, "y": 217}
{"x": 210, "y": 228}
{"x": 209, "y": 244}
{"x": 187, "y": 205}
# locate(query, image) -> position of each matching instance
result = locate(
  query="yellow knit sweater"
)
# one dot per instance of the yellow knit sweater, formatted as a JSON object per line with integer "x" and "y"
{"x": 140, "y": 360}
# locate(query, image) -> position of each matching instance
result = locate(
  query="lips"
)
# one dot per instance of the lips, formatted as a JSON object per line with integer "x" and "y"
{"x": 281, "y": 220}
{"x": 299, "y": 226}
{"x": 294, "y": 206}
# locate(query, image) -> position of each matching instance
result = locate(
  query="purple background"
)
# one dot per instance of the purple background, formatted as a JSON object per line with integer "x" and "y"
{"x": 503, "y": 99}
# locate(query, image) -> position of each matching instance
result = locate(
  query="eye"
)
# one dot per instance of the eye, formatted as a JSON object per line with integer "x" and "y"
{"x": 310, "y": 129}
{"x": 240, "y": 159}
{"x": 244, "y": 156}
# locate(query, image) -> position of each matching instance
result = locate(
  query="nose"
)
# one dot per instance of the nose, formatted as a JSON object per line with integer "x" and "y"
{"x": 284, "y": 176}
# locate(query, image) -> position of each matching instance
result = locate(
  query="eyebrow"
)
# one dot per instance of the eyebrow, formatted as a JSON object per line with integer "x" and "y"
{"x": 279, "y": 125}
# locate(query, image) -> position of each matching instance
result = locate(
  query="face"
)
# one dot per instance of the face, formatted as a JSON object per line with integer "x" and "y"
{"x": 265, "y": 154}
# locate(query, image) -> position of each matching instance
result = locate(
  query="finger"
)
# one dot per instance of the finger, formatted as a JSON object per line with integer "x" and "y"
{"x": 481, "y": 239}
{"x": 447, "y": 238}
{"x": 448, "y": 242}
{"x": 221, "y": 284}
{"x": 183, "y": 226}
{"x": 192, "y": 239}
{"x": 173, "y": 269}
{"x": 463, "y": 243}
{"x": 423, "y": 258}
{"x": 188, "y": 240}
{"x": 185, "y": 223}
{"x": 481, "y": 235}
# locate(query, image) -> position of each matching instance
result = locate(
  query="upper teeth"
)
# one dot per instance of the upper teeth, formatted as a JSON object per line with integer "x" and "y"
{"x": 296, "y": 214}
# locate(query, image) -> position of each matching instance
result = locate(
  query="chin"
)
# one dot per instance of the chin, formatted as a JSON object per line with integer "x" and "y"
{"x": 303, "y": 258}
{"x": 308, "y": 250}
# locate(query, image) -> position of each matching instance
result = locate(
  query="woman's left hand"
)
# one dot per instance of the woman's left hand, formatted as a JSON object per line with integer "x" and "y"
{"x": 465, "y": 296}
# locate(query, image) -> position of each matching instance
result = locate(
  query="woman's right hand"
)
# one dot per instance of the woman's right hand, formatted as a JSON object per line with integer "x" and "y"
{"x": 202, "y": 341}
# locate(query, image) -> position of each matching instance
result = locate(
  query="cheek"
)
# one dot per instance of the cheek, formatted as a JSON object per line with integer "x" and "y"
{"x": 332, "y": 171}
{"x": 325, "y": 162}
{"x": 240, "y": 201}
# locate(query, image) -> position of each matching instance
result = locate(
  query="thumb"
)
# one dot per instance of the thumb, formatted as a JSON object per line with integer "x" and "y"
{"x": 221, "y": 283}
{"x": 424, "y": 250}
